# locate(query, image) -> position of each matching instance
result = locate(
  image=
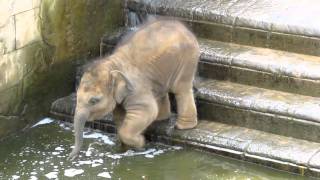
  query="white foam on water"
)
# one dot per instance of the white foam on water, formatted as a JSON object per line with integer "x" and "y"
{"x": 33, "y": 173}
{"x": 104, "y": 175}
{"x": 59, "y": 149}
{"x": 52, "y": 175}
{"x": 155, "y": 153}
{"x": 158, "y": 152}
{"x": 130, "y": 153}
{"x": 149, "y": 153}
{"x": 95, "y": 165}
{"x": 85, "y": 162}
{"x": 43, "y": 121}
{"x": 149, "y": 156}
{"x": 62, "y": 125}
{"x": 114, "y": 156}
{"x": 176, "y": 147}
{"x": 55, "y": 153}
{"x": 15, "y": 177}
{"x": 72, "y": 172}
{"x": 98, "y": 161}
{"x": 96, "y": 135}
{"x": 33, "y": 178}
{"x": 89, "y": 152}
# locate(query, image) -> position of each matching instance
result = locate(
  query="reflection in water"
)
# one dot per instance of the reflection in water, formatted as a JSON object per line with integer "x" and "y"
{"x": 40, "y": 153}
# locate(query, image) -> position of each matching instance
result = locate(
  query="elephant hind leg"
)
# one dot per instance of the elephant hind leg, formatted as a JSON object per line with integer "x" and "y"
{"x": 187, "y": 112}
{"x": 164, "y": 108}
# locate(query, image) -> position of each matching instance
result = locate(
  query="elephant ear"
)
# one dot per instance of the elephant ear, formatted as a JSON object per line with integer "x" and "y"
{"x": 121, "y": 86}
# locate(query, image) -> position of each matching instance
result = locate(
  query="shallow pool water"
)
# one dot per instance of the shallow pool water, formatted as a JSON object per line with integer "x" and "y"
{"x": 40, "y": 153}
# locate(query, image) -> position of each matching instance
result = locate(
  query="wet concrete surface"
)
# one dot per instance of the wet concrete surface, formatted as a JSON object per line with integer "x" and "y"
{"x": 261, "y": 59}
{"x": 257, "y": 108}
{"x": 259, "y": 99}
{"x": 285, "y": 153}
{"x": 283, "y": 25}
{"x": 278, "y": 16}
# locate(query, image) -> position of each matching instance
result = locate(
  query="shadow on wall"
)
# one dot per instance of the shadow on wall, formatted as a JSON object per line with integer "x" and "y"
{"x": 40, "y": 44}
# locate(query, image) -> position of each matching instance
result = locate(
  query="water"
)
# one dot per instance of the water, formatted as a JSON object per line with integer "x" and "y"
{"x": 40, "y": 153}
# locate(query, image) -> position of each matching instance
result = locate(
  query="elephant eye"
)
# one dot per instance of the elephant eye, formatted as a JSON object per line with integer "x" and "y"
{"x": 94, "y": 100}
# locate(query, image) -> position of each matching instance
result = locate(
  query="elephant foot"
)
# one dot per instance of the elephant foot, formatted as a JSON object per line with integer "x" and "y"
{"x": 131, "y": 140}
{"x": 186, "y": 123}
{"x": 125, "y": 148}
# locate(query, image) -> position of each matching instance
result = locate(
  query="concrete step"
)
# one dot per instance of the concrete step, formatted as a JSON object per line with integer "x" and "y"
{"x": 257, "y": 108}
{"x": 285, "y": 25}
{"x": 279, "y": 152}
{"x": 262, "y": 67}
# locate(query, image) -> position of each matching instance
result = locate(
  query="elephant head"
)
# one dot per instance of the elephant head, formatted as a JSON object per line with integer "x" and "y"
{"x": 97, "y": 95}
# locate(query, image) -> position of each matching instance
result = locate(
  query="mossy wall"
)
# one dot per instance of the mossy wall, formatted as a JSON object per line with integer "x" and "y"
{"x": 41, "y": 42}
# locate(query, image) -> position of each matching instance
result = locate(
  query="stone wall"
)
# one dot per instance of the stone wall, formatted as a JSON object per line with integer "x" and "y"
{"x": 41, "y": 42}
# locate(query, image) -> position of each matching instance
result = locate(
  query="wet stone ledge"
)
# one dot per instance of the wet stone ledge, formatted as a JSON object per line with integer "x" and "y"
{"x": 259, "y": 99}
{"x": 261, "y": 67}
{"x": 260, "y": 23}
{"x": 279, "y": 152}
{"x": 257, "y": 108}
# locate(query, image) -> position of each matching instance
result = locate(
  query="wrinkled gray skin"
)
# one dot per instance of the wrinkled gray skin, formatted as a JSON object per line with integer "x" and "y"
{"x": 160, "y": 57}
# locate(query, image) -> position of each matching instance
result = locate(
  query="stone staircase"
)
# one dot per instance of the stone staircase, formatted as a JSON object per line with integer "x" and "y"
{"x": 258, "y": 84}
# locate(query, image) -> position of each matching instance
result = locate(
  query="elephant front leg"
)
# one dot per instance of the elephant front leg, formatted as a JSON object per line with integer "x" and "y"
{"x": 118, "y": 115}
{"x": 136, "y": 122}
{"x": 164, "y": 108}
{"x": 187, "y": 112}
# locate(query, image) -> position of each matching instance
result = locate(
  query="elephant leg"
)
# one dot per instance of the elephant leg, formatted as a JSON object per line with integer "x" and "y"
{"x": 164, "y": 108}
{"x": 135, "y": 123}
{"x": 118, "y": 115}
{"x": 187, "y": 113}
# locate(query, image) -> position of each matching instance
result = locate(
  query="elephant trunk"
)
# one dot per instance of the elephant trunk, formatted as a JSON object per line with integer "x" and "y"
{"x": 79, "y": 123}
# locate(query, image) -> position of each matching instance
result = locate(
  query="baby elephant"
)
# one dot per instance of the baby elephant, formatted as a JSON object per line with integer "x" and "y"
{"x": 159, "y": 58}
